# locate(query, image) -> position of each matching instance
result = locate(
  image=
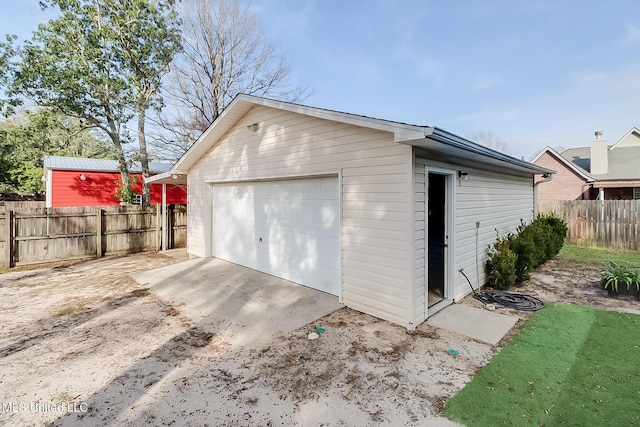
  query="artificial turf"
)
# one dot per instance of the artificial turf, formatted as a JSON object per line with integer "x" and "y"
{"x": 569, "y": 365}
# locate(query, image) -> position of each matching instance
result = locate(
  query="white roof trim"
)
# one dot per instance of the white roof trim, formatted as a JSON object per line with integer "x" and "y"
{"x": 616, "y": 183}
{"x": 170, "y": 177}
{"x": 402, "y": 132}
{"x": 633, "y": 129}
{"x": 243, "y": 103}
{"x": 544, "y": 150}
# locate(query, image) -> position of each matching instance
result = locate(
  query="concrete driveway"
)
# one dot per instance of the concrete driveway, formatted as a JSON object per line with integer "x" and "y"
{"x": 241, "y": 306}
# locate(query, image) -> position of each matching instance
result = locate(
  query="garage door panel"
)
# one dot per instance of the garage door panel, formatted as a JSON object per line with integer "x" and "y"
{"x": 285, "y": 228}
{"x": 234, "y": 242}
{"x": 299, "y": 255}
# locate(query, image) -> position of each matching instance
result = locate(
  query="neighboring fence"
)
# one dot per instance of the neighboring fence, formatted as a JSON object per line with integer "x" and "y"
{"x": 22, "y": 204}
{"x": 34, "y": 235}
{"x": 609, "y": 223}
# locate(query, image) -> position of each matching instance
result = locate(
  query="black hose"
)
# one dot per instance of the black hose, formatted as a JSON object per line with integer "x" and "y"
{"x": 511, "y": 300}
{"x": 508, "y": 299}
{"x": 468, "y": 281}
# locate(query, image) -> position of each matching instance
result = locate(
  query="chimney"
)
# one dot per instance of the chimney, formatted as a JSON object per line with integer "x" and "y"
{"x": 599, "y": 155}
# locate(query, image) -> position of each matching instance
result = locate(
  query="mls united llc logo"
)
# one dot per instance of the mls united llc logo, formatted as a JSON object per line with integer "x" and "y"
{"x": 43, "y": 407}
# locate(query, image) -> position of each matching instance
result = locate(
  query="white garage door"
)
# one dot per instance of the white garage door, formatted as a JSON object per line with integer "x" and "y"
{"x": 286, "y": 228}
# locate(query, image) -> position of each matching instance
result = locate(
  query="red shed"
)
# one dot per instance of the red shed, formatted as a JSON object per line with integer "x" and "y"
{"x": 72, "y": 181}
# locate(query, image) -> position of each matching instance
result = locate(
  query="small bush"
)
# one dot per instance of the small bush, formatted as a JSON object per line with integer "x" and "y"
{"x": 124, "y": 191}
{"x": 536, "y": 243}
{"x": 501, "y": 265}
{"x": 531, "y": 245}
{"x": 556, "y": 238}
{"x": 527, "y": 249}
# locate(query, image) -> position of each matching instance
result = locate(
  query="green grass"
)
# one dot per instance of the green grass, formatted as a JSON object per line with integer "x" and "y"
{"x": 569, "y": 365}
{"x": 600, "y": 255}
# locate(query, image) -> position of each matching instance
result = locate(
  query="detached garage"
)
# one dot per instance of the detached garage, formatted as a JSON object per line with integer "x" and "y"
{"x": 384, "y": 215}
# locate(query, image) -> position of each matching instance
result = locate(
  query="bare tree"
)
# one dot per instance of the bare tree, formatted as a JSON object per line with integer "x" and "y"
{"x": 489, "y": 140}
{"x": 224, "y": 53}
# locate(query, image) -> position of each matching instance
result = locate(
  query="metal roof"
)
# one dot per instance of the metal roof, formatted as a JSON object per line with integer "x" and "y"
{"x": 99, "y": 165}
{"x": 426, "y": 137}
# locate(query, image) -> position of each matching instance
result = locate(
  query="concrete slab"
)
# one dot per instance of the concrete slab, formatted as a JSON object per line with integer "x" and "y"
{"x": 179, "y": 253}
{"x": 240, "y": 305}
{"x": 476, "y": 323}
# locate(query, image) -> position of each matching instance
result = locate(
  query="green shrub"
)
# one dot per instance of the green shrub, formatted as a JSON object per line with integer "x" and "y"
{"x": 124, "y": 191}
{"x": 501, "y": 265}
{"x": 559, "y": 232}
{"x": 542, "y": 235}
{"x": 536, "y": 243}
{"x": 525, "y": 250}
{"x": 531, "y": 245}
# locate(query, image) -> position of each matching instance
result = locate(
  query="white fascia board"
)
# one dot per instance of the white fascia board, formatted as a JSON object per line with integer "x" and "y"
{"x": 218, "y": 128}
{"x": 471, "y": 150}
{"x": 401, "y": 131}
{"x": 243, "y": 103}
{"x": 158, "y": 177}
{"x": 633, "y": 129}
{"x": 168, "y": 178}
{"x": 544, "y": 150}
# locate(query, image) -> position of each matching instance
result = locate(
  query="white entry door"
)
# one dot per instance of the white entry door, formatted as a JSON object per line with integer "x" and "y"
{"x": 287, "y": 228}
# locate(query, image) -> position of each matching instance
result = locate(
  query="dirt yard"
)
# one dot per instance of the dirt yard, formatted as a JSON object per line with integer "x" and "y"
{"x": 84, "y": 344}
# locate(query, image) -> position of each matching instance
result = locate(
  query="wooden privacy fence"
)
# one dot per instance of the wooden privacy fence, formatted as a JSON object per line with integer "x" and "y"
{"x": 34, "y": 235}
{"x": 8, "y": 204}
{"x": 609, "y": 223}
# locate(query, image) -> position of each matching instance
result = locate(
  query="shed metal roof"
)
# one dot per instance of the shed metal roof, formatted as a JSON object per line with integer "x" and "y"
{"x": 98, "y": 165}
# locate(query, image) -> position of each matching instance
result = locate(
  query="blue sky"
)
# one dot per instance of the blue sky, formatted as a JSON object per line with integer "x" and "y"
{"x": 533, "y": 73}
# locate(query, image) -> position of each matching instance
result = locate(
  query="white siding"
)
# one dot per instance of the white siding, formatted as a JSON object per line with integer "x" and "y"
{"x": 500, "y": 202}
{"x": 376, "y": 178}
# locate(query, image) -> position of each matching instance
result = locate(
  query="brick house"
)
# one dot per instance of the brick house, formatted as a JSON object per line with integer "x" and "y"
{"x": 599, "y": 171}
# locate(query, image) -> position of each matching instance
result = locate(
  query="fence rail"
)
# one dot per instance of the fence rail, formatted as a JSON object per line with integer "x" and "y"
{"x": 608, "y": 223}
{"x": 34, "y": 235}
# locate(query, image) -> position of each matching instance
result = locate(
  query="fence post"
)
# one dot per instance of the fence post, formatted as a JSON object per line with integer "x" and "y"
{"x": 158, "y": 231}
{"x": 8, "y": 244}
{"x": 99, "y": 233}
{"x": 170, "y": 226}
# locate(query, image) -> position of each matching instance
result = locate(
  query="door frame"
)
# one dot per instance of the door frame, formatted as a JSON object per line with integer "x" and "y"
{"x": 449, "y": 250}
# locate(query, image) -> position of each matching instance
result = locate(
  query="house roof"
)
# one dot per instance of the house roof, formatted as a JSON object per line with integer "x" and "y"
{"x": 427, "y": 137}
{"x": 98, "y": 165}
{"x": 567, "y": 162}
{"x": 622, "y": 162}
{"x": 622, "y": 157}
{"x": 630, "y": 139}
